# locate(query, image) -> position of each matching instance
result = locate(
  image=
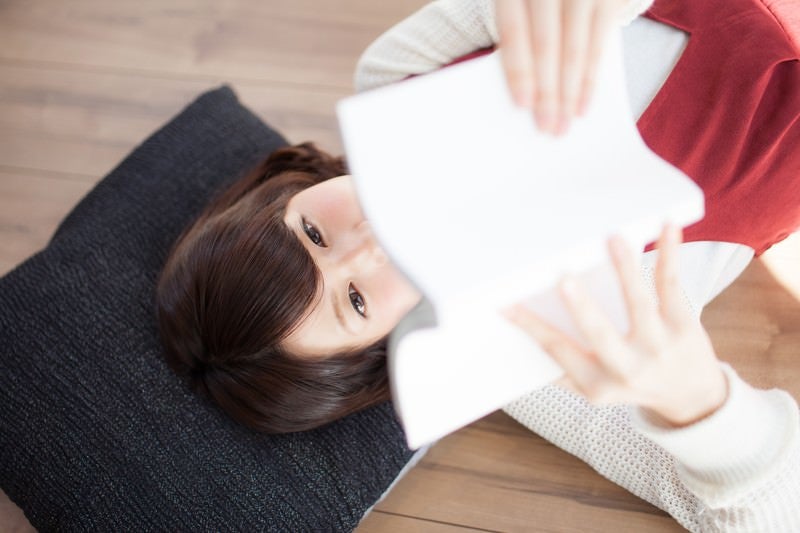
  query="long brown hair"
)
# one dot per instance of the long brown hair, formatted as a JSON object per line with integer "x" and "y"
{"x": 236, "y": 283}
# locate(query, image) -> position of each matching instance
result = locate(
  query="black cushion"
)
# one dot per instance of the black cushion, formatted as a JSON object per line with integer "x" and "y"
{"x": 95, "y": 432}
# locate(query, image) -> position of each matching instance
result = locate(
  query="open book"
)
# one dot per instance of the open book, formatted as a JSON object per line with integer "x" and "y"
{"x": 480, "y": 210}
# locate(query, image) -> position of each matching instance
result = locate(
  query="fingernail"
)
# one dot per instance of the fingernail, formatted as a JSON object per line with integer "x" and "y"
{"x": 617, "y": 244}
{"x": 523, "y": 98}
{"x": 583, "y": 105}
{"x": 512, "y": 313}
{"x": 544, "y": 120}
{"x": 562, "y": 126}
{"x": 569, "y": 287}
{"x": 674, "y": 232}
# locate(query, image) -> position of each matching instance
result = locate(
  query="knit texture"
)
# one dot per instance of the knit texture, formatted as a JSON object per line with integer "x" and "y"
{"x": 96, "y": 432}
{"x": 752, "y": 484}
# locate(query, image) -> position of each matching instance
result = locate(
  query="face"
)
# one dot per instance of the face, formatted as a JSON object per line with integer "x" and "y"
{"x": 363, "y": 296}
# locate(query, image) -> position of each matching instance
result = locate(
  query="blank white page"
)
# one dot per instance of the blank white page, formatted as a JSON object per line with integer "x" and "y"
{"x": 480, "y": 210}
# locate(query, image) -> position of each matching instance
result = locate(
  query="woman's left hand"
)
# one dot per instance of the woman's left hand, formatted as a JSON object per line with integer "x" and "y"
{"x": 665, "y": 363}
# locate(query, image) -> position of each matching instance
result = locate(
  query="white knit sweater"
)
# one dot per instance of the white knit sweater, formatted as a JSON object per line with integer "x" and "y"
{"x": 737, "y": 470}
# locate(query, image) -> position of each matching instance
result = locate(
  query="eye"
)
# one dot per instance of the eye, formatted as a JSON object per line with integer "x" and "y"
{"x": 314, "y": 235}
{"x": 357, "y": 301}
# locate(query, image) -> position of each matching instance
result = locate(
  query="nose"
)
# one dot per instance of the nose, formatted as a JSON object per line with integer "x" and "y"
{"x": 361, "y": 251}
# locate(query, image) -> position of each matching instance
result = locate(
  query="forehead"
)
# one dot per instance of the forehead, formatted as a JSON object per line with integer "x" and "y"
{"x": 337, "y": 187}
{"x": 329, "y": 193}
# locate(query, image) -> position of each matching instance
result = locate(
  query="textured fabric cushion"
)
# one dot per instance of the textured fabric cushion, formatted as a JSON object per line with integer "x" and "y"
{"x": 96, "y": 434}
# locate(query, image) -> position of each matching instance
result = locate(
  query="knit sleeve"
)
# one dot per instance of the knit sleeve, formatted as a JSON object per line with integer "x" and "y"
{"x": 437, "y": 34}
{"x": 736, "y": 470}
{"x": 743, "y": 461}
{"x": 430, "y": 38}
{"x": 735, "y": 491}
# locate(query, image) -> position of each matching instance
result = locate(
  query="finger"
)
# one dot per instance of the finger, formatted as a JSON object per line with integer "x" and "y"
{"x": 602, "y": 23}
{"x": 576, "y": 25}
{"x": 598, "y": 392}
{"x": 604, "y": 340}
{"x": 545, "y": 23}
{"x": 579, "y": 366}
{"x": 670, "y": 295}
{"x": 515, "y": 50}
{"x": 567, "y": 383}
{"x": 638, "y": 302}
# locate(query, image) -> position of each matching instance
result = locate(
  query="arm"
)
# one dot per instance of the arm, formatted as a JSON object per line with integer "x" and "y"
{"x": 754, "y": 488}
{"x": 434, "y": 36}
{"x": 743, "y": 462}
{"x": 715, "y": 466}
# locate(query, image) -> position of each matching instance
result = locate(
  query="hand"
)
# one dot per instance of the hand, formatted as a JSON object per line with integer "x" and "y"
{"x": 550, "y": 50}
{"x": 665, "y": 363}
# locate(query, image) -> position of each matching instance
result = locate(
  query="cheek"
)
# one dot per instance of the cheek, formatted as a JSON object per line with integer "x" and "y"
{"x": 397, "y": 294}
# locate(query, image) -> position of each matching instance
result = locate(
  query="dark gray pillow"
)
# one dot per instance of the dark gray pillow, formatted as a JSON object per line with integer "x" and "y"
{"x": 95, "y": 432}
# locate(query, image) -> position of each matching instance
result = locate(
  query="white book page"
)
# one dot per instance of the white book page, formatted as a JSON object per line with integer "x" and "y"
{"x": 481, "y": 210}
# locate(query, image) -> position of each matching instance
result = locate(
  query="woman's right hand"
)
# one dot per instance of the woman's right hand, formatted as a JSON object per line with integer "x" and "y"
{"x": 550, "y": 50}
{"x": 665, "y": 362}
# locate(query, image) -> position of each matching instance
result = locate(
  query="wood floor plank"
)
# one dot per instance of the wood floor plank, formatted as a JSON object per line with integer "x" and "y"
{"x": 497, "y": 475}
{"x": 12, "y": 519}
{"x": 755, "y": 325}
{"x": 83, "y": 82}
{"x": 31, "y": 208}
{"x": 300, "y": 41}
{"x": 378, "y": 522}
{"x": 85, "y": 123}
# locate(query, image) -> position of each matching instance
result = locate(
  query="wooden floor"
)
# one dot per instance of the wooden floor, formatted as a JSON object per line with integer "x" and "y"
{"x": 83, "y": 81}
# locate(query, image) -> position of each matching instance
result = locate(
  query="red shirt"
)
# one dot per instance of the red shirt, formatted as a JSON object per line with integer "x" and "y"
{"x": 729, "y": 117}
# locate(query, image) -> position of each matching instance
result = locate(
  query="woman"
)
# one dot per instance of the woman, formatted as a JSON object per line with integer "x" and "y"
{"x": 295, "y": 249}
{"x": 260, "y": 305}
{"x": 266, "y": 366}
